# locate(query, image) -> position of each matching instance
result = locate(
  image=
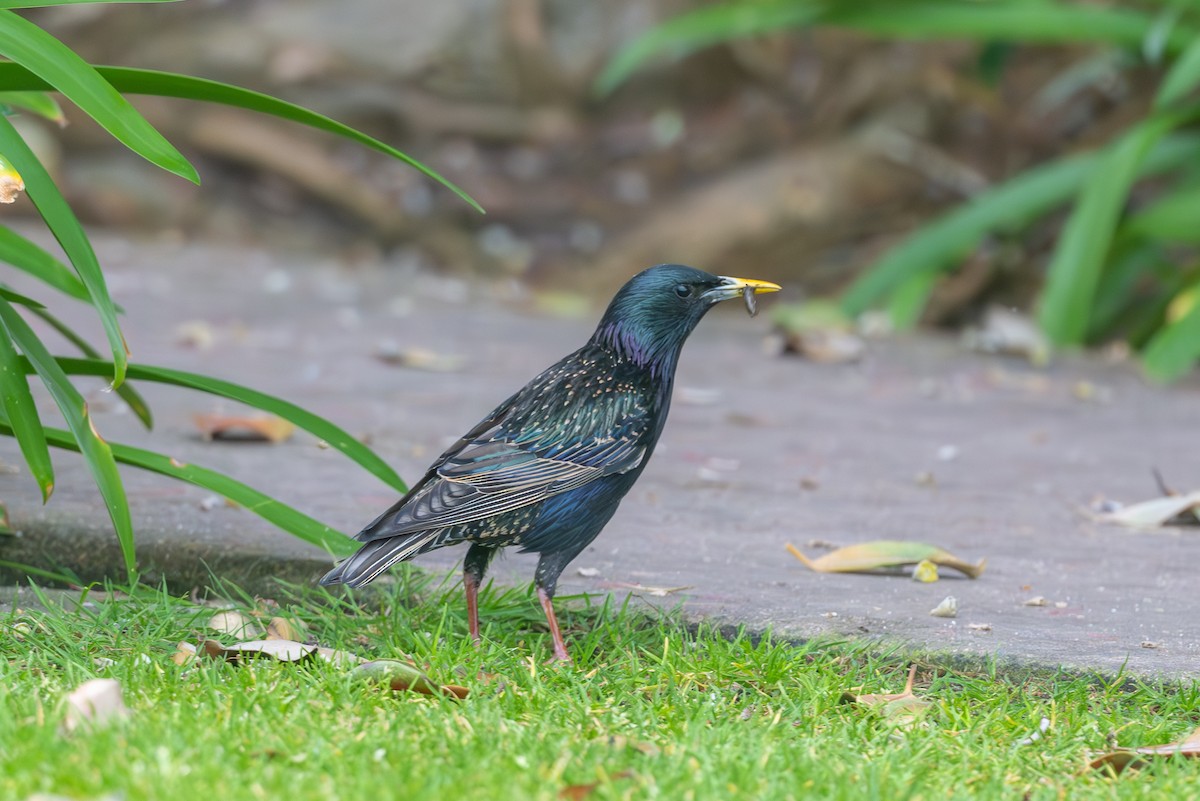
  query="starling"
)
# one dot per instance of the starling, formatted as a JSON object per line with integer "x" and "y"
{"x": 547, "y": 468}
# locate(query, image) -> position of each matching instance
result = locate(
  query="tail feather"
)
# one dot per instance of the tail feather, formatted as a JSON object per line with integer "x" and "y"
{"x": 378, "y": 555}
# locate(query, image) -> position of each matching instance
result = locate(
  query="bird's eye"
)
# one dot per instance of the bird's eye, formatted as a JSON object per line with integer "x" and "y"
{"x": 683, "y": 290}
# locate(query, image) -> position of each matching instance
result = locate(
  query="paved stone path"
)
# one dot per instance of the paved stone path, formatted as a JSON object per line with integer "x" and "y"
{"x": 760, "y": 451}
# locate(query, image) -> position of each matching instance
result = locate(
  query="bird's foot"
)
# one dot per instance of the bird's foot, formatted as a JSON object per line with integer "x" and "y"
{"x": 560, "y": 659}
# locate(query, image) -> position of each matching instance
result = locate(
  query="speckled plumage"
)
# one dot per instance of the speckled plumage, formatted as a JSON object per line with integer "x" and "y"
{"x": 547, "y": 468}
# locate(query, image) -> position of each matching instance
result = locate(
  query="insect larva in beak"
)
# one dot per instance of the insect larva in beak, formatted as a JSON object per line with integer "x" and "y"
{"x": 751, "y": 302}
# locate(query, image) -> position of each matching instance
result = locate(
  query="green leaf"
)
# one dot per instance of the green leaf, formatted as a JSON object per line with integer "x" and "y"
{"x": 1079, "y": 259}
{"x": 25, "y": 255}
{"x": 941, "y": 244}
{"x": 47, "y": 3}
{"x": 909, "y": 299}
{"x": 317, "y": 426}
{"x": 1181, "y": 79}
{"x": 1025, "y": 22}
{"x": 15, "y": 297}
{"x": 61, "y": 578}
{"x": 39, "y": 103}
{"x": 137, "y": 404}
{"x": 96, "y": 452}
{"x": 1172, "y": 351}
{"x": 692, "y": 31}
{"x": 21, "y": 412}
{"x": 31, "y": 47}
{"x": 70, "y": 235}
{"x": 280, "y": 514}
{"x": 166, "y": 84}
{"x": 1174, "y": 217}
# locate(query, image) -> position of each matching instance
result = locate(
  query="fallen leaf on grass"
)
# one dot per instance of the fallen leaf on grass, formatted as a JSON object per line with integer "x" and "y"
{"x": 235, "y": 624}
{"x": 902, "y": 707}
{"x": 404, "y": 676}
{"x": 1171, "y": 510}
{"x": 579, "y": 792}
{"x": 283, "y": 650}
{"x": 870, "y": 556}
{"x": 259, "y": 428}
{"x": 93, "y": 703}
{"x": 280, "y": 628}
{"x": 1120, "y": 759}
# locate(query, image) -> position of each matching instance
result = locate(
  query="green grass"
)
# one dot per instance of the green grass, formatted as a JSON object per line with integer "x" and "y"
{"x": 652, "y": 709}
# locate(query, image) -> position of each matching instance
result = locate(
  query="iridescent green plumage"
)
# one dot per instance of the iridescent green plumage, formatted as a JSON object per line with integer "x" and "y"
{"x": 547, "y": 468}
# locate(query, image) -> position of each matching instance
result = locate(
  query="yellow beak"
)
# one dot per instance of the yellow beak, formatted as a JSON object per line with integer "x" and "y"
{"x": 734, "y": 286}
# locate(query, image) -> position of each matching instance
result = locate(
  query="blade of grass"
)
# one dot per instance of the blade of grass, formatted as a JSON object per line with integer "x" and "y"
{"x": 137, "y": 404}
{"x": 1009, "y": 206}
{"x": 48, "y": 3}
{"x": 1078, "y": 261}
{"x": 30, "y": 570}
{"x": 1172, "y": 218}
{"x": 1181, "y": 79}
{"x": 39, "y": 103}
{"x": 96, "y": 452}
{"x": 28, "y": 257}
{"x": 317, "y": 426}
{"x": 22, "y": 415}
{"x": 1173, "y": 350}
{"x": 690, "y": 32}
{"x": 280, "y": 514}
{"x": 31, "y": 47}
{"x": 166, "y": 84}
{"x": 16, "y": 297}
{"x": 70, "y": 235}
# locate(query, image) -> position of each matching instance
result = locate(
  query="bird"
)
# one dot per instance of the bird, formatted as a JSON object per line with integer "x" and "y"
{"x": 547, "y": 468}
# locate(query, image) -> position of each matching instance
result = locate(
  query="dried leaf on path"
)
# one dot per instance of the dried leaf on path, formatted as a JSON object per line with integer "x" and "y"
{"x": 947, "y": 608}
{"x": 1172, "y": 510}
{"x": 1120, "y": 759}
{"x": 256, "y": 428}
{"x": 657, "y": 592}
{"x": 870, "y": 556}
{"x": 418, "y": 358}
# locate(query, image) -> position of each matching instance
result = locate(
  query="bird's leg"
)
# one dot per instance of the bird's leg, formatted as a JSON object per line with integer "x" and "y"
{"x": 475, "y": 565}
{"x": 549, "y": 568}
{"x": 560, "y": 649}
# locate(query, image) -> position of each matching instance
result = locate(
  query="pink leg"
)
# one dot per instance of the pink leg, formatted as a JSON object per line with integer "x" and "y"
{"x": 471, "y": 585}
{"x": 560, "y": 650}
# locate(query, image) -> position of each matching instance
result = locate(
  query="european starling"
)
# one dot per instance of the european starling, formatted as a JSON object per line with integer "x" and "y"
{"x": 547, "y": 468}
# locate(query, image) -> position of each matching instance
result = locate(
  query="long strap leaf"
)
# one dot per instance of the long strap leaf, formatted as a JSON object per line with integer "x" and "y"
{"x": 335, "y": 436}
{"x": 282, "y": 515}
{"x": 96, "y": 452}
{"x": 17, "y": 404}
{"x": 70, "y": 235}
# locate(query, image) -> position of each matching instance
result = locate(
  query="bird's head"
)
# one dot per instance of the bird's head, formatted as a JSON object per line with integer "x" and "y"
{"x": 652, "y": 315}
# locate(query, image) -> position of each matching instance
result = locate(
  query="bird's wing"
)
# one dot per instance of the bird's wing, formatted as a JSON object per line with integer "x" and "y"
{"x": 489, "y": 472}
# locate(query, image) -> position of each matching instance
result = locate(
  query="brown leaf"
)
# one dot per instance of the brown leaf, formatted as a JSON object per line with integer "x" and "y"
{"x": 579, "y": 792}
{"x": 283, "y": 650}
{"x": 185, "y": 653}
{"x": 1120, "y": 759}
{"x": 417, "y": 358}
{"x": 280, "y": 628}
{"x": 870, "y": 556}
{"x": 903, "y": 707}
{"x": 259, "y": 428}
{"x": 657, "y": 592}
{"x": 95, "y": 702}
{"x": 5, "y": 525}
{"x": 1176, "y": 509}
{"x": 404, "y": 676}
{"x": 235, "y": 624}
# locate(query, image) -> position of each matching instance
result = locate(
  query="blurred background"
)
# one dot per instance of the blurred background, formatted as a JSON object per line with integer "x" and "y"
{"x": 798, "y": 154}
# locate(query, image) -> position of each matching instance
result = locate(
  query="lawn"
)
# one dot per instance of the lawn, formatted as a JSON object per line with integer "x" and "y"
{"x": 651, "y": 709}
